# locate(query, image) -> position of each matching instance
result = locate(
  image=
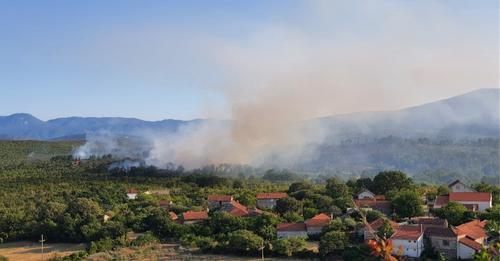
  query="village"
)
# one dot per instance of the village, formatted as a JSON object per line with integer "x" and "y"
{"x": 410, "y": 237}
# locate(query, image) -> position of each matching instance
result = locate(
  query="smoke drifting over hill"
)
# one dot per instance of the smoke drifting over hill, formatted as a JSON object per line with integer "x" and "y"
{"x": 283, "y": 74}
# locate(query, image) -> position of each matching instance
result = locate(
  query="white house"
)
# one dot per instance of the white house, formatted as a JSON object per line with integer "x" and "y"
{"x": 475, "y": 201}
{"x": 408, "y": 241}
{"x": 268, "y": 200}
{"x": 132, "y": 194}
{"x": 459, "y": 186}
{"x": 467, "y": 247}
{"x": 286, "y": 230}
{"x": 315, "y": 225}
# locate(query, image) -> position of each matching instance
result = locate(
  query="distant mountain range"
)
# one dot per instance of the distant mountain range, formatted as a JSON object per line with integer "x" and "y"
{"x": 471, "y": 115}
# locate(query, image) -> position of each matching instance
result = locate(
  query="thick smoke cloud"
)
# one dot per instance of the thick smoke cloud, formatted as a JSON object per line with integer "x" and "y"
{"x": 335, "y": 57}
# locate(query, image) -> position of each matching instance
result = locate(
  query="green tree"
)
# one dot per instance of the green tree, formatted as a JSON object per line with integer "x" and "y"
{"x": 386, "y": 230}
{"x": 289, "y": 246}
{"x": 453, "y": 211}
{"x": 332, "y": 242}
{"x": 244, "y": 241}
{"x": 301, "y": 185}
{"x": 288, "y": 204}
{"x": 407, "y": 203}
{"x": 390, "y": 180}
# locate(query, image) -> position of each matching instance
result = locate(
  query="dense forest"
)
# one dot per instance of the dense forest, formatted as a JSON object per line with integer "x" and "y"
{"x": 45, "y": 192}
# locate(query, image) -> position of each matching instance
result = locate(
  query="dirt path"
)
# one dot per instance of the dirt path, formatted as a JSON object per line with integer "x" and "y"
{"x": 31, "y": 251}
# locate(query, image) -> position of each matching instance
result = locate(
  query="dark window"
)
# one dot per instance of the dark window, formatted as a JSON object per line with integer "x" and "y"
{"x": 446, "y": 243}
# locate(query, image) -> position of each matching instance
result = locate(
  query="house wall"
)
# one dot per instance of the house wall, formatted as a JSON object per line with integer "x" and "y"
{"x": 131, "y": 195}
{"x": 266, "y": 203}
{"x": 216, "y": 204}
{"x": 465, "y": 252}
{"x": 482, "y": 205}
{"x": 287, "y": 234}
{"x": 314, "y": 230}
{"x": 365, "y": 194}
{"x": 411, "y": 248}
{"x": 460, "y": 187}
{"x": 189, "y": 222}
{"x": 450, "y": 250}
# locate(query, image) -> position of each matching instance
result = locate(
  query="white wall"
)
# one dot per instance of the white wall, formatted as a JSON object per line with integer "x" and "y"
{"x": 460, "y": 187}
{"x": 132, "y": 195}
{"x": 365, "y": 194}
{"x": 410, "y": 249}
{"x": 286, "y": 234}
{"x": 481, "y": 205}
{"x": 465, "y": 252}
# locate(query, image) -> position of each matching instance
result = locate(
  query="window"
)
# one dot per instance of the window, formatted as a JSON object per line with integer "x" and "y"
{"x": 446, "y": 243}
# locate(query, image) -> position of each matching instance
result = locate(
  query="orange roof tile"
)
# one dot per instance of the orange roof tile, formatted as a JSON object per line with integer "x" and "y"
{"x": 470, "y": 196}
{"x": 131, "y": 191}
{"x": 273, "y": 195}
{"x": 291, "y": 227}
{"x": 441, "y": 201}
{"x": 195, "y": 215}
{"x": 471, "y": 243}
{"x": 225, "y": 198}
{"x": 408, "y": 232}
{"x": 380, "y": 221}
{"x": 319, "y": 220}
{"x": 172, "y": 215}
{"x": 473, "y": 229}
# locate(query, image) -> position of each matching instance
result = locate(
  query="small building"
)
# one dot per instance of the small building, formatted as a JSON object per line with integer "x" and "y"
{"x": 375, "y": 225}
{"x": 408, "y": 240}
{"x": 383, "y": 206}
{"x": 173, "y": 216}
{"x": 459, "y": 186}
{"x": 444, "y": 240}
{"x": 474, "y": 201}
{"x": 193, "y": 217}
{"x": 238, "y": 210}
{"x": 106, "y": 218}
{"x": 287, "y": 230}
{"x": 165, "y": 204}
{"x": 315, "y": 225}
{"x": 132, "y": 194}
{"x": 474, "y": 230}
{"x": 366, "y": 194}
{"x": 268, "y": 200}
{"x": 216, "y": 201}
{"x": 467, "y": 248}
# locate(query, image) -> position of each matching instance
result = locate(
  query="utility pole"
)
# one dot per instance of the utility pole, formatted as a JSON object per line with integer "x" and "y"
{"x": 41, "y": 241}
{"x": 262, "y": 251}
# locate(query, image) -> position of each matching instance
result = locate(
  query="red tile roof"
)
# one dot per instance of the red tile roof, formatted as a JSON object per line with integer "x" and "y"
{"x": 225, "y": 198}
{"x": 274, "y": 195}
{"x": 441, "y": 201}
{"x": 195, "y": 215}
{"x": 380, "y": 221}
{"x": 164, "y": 203}
{"x": 172, "y": 215}
{"x": 320, "y": 220}
{"x": 238, "y": 210}
{"x": 372, "y": 203}
{"x": 432, "y": 221}
{"x": 473, "y": 229}
{"x": 470, "y": 243}
{"x": 408, "y": 233}
{"x": 379, "y": 197}
{"x": 291, "y": 227}
{"x": 470, "y": 196}
{"x": 440, "y": 232}
{"x": 131, "y": 191}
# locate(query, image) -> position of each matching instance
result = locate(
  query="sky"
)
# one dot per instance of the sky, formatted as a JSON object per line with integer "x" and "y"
{"x": 221, "y": 59}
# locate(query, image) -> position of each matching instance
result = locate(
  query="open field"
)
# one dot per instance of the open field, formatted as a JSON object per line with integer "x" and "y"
{"x": 28, "y": 251}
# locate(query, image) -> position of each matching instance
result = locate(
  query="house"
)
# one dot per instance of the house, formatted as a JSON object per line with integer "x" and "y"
{"x": 383, "y": 206}
{"x": 268, "y": 200}
{"x": 193, "y": 217}
{"x": 106, "y": 218}
{"x": 475, "y": 201}
{"x": 132, "y": 194}
{"x": 286, "y": 230}
{"x": 375, "y": 225}
{"x": 467, "y": 248}
{"x": 474, "y": 230}
{"x": 408, "y": 241}
{"x": 428, "y": 222}
{"x": 458, "y": 186}
{"x": 444, "y": 240}
{"x": 316, "y": 224}
{"x": 216, "y": 201}
{"x": 238, "y": 210}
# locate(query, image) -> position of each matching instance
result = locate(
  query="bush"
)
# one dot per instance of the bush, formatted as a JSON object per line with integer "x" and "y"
{"x": 332, "y": 242}
{"x": 146, "y": 239}
{"x": 289, "y": 246}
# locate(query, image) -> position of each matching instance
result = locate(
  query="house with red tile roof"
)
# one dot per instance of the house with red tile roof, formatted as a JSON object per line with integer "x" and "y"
{"x": 472, "y": 200}
{"x": 375, "y": 225}
{"x": 287, "y": 230}
{"x": 471, "y": 237}
{"x": 268, "y": 200}
{"x": 444, "y": 240}
{"x": 467, "y": 248}
{"x": 383, "y": 206}
{"x": 408, "y": 240}
{"x": 192, "y": 217}
{"x": 132, "y": 193}
{"x": 165, "y": 204}
{"x": 316, "y": 224}
{"x": 216, "y": 201}
{"x": 172, "y": 215}
{"x": 238, "y": 210}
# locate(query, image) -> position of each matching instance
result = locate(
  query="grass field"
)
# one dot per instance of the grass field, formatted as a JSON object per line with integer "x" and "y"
{"x": 28, "y": 251}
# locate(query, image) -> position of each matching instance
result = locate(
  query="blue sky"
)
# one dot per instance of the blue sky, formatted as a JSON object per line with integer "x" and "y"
{"x": 186, "y": 59}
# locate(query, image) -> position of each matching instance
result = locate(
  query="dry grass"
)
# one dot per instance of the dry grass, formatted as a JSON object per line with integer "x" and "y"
{"x": 31, "y": 251}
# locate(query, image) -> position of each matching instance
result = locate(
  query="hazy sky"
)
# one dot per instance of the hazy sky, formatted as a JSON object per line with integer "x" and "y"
{"x": 197, "y": 59}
